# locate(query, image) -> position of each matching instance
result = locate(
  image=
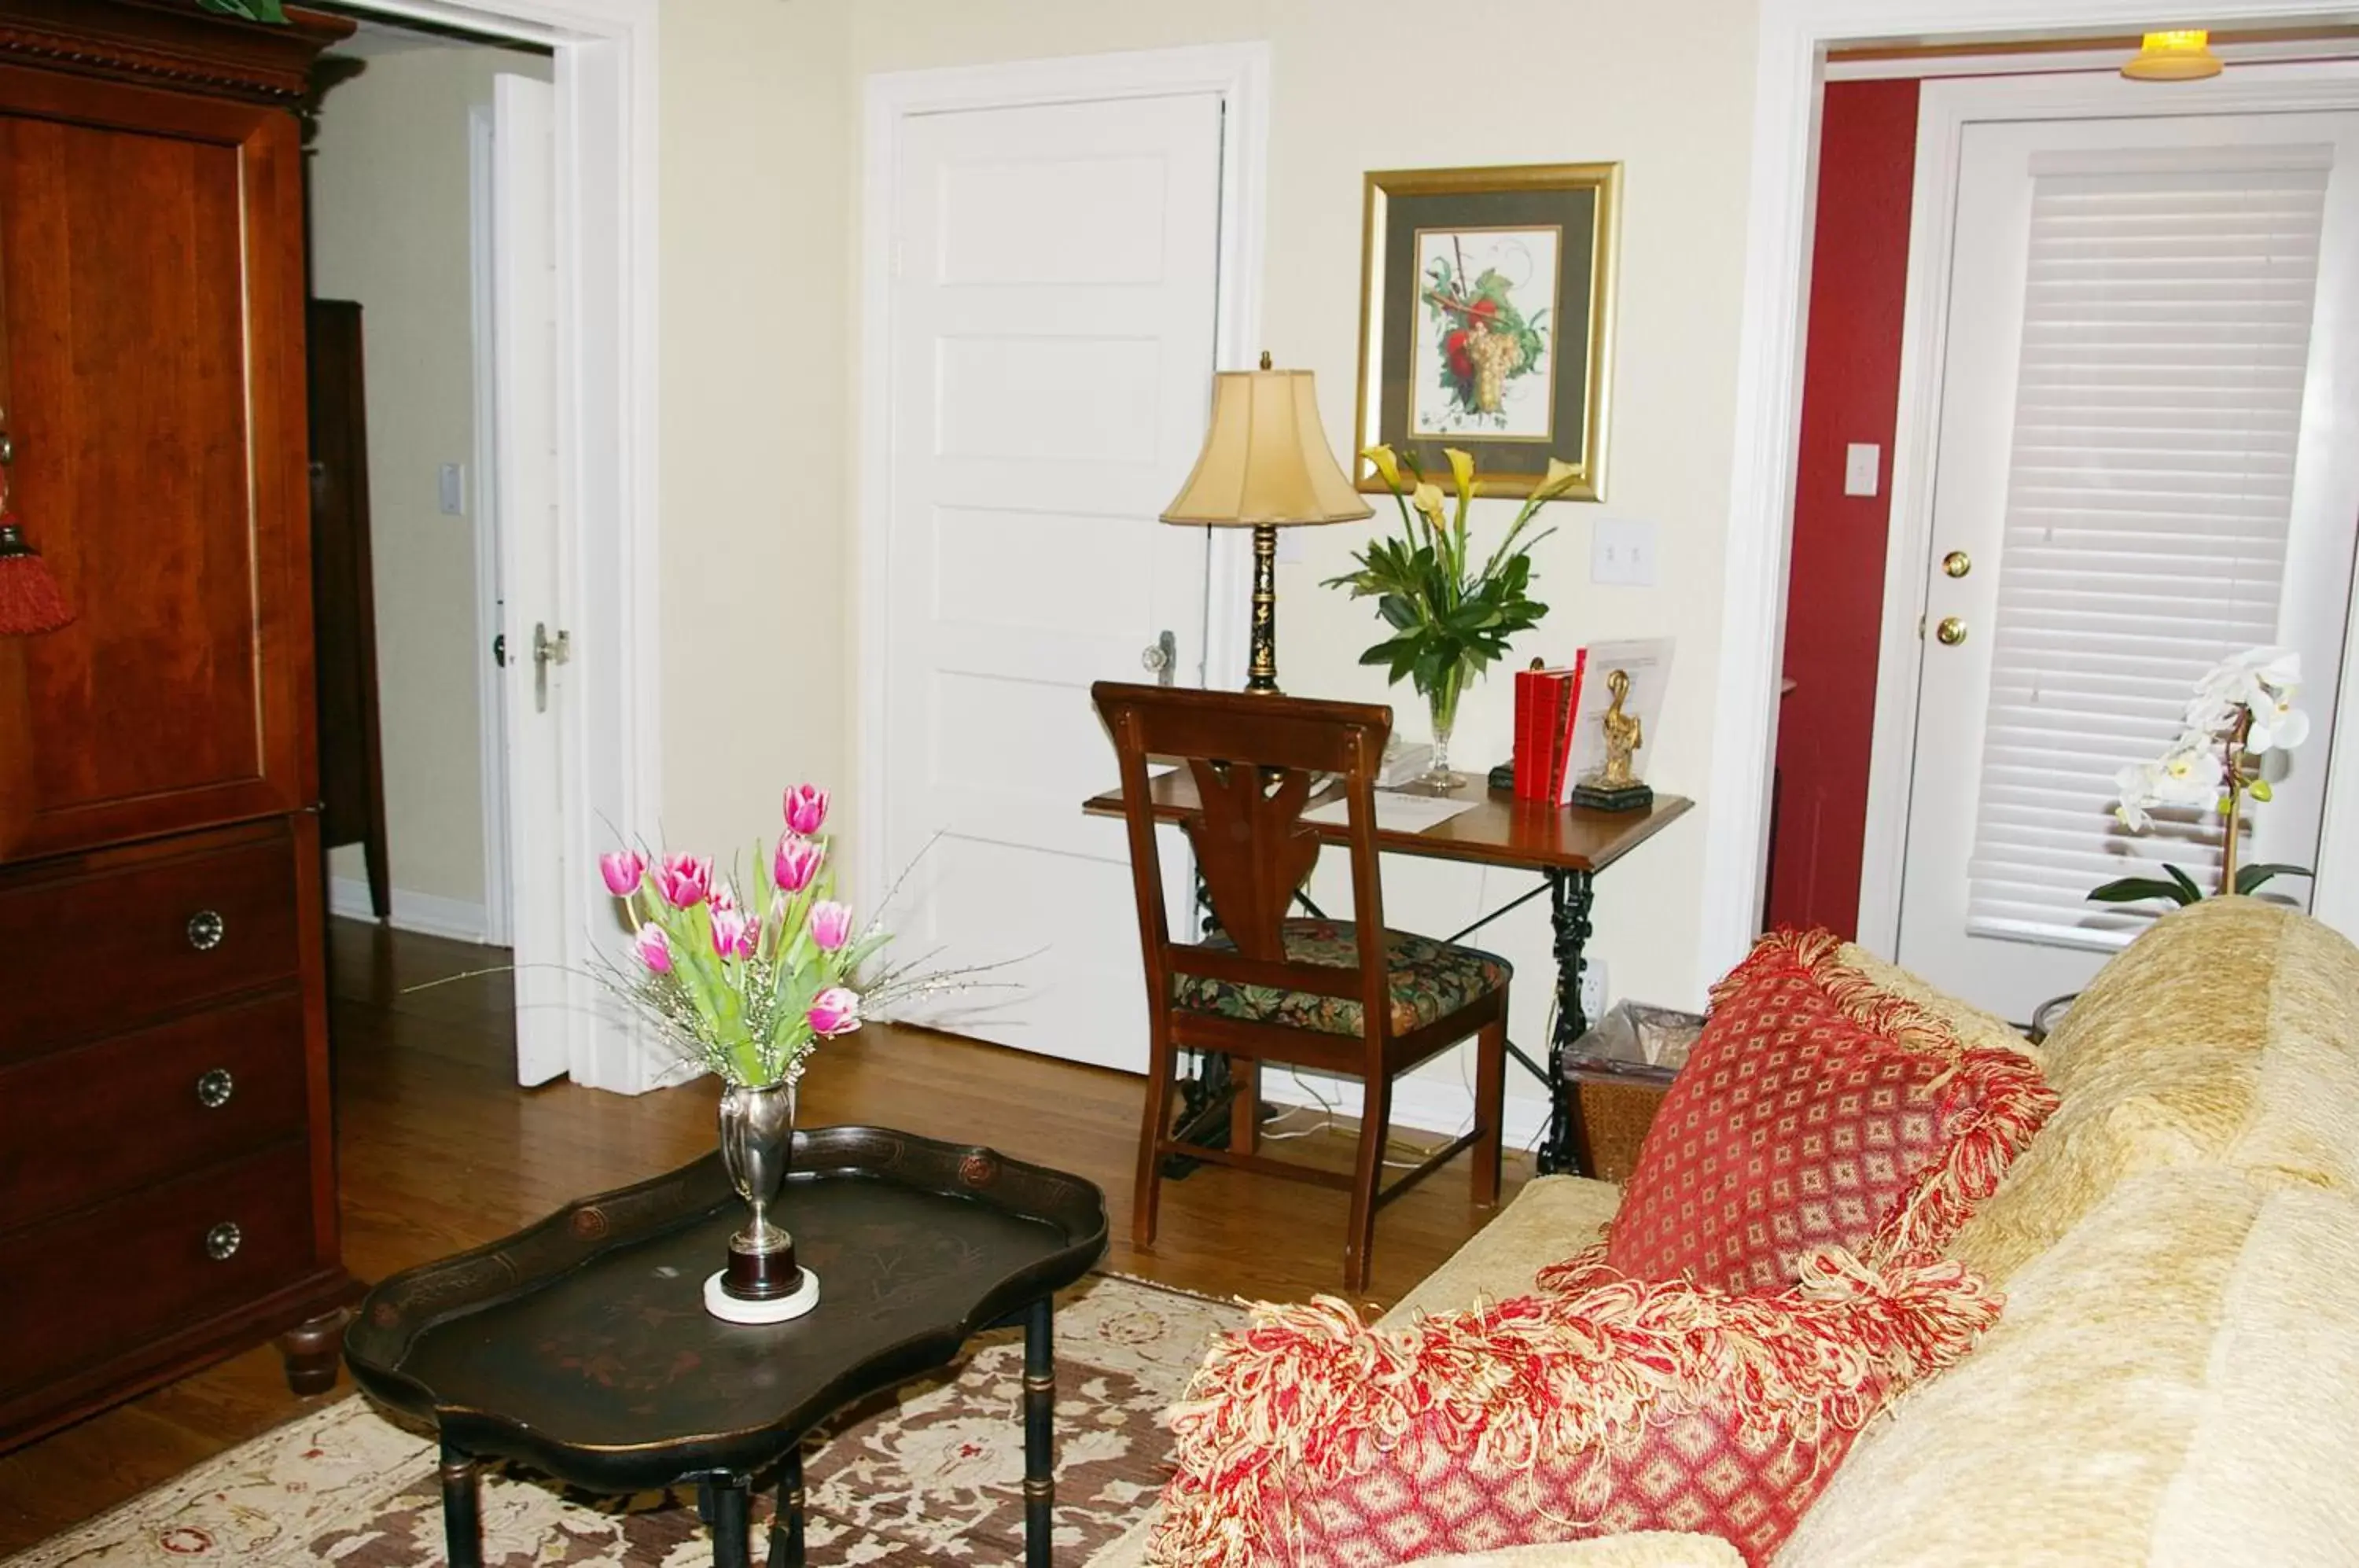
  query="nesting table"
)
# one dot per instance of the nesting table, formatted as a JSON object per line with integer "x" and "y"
{"x": 581, "y": 1346}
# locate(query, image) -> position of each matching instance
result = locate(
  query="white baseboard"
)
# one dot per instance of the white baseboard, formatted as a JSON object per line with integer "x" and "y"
{"x": 1423, "y": 1104}
{"x": 427, "y": 914}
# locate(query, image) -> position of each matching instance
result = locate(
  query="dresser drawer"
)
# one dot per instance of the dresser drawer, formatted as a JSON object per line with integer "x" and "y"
{"x": 100, "y": 1281}
{"x": 109, "y": 1117}
{"x": 116, "y": 943}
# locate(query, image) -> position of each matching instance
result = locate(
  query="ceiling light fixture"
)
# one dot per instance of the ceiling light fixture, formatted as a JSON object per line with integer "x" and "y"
{"x": 2183, "y": 56}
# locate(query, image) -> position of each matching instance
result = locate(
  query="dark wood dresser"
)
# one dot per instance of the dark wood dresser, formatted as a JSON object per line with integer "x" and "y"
{"x": 167, "y": 1191}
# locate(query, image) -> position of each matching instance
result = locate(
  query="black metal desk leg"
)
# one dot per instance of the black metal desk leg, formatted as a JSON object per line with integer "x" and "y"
{"x": 727, "y": 1504}
{"x": 1039, "y": 1432}
{"x": 787, "y": 1528}
{"x": 1571, "y": 895}
{"x": 463, "y": 1514}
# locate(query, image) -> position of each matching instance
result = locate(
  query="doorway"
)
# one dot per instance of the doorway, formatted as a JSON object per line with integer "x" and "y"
{"x": 1057, "y": 267}
{"x": 2138, "y": 466}
{"x": 575, "y": 560}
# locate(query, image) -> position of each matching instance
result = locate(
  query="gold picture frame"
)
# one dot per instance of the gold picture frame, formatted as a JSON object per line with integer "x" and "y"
{"x": 1469, "y": 281}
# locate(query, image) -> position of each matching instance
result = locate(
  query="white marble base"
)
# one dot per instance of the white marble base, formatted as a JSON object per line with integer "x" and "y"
{"x": 729, "y": 1308}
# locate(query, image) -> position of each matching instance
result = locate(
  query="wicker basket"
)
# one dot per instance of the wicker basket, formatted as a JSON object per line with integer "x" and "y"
{"x": 1615, "y": 1115}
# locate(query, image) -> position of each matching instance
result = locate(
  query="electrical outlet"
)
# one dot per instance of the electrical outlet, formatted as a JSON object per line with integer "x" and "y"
{"x": 1592, "y": 988}
{"x": 1622, "y": 553}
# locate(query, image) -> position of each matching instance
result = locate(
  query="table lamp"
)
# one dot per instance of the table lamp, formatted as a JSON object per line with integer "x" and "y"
{"x": 1266, "y": 466}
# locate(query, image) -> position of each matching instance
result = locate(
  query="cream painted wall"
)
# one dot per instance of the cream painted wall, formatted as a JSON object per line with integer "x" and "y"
{"x": 390, "y": 227}
{"x": 1664, "y": 87}
{"x": 758, "y": 134}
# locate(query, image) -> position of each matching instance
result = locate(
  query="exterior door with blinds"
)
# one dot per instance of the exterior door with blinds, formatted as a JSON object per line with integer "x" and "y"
{"x": 2147, "y": 459}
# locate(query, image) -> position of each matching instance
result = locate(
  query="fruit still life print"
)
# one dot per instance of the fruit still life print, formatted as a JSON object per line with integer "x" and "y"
{"x": 1485, "y": 355}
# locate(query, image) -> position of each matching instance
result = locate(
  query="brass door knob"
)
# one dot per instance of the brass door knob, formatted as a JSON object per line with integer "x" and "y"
{"x": 1951, "y": 631}
{"x": 1957, "y": 564}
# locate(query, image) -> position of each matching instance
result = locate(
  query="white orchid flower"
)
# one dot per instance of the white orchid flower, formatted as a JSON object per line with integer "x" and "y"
{"x": 2136, "y": 785}
{"x": 2190, "y": 773}
{"x": 2278, "y": 726}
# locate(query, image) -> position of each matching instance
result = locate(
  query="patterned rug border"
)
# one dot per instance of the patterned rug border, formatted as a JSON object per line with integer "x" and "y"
{"x": 103, "y": 1537}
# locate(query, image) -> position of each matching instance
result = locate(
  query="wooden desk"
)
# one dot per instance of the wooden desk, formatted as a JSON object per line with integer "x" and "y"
{"x": 1566, "y": 845}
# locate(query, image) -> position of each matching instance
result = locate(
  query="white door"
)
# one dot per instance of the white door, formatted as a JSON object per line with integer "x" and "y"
{"x": 2148, "y": 459}
{"x": 1053, "y": 312}
{"x": 542, "y": 887}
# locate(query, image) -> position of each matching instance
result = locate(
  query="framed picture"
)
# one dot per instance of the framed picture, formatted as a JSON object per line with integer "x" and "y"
{"x": 1486, "y": 309}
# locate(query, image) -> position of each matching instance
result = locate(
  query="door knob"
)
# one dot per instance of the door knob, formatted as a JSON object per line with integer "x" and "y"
{"x": 1951, "y": 631}
{"x": 546, "y": 651}
{"x": 1162, "y": 656}
{"x": 1957, "y": 564}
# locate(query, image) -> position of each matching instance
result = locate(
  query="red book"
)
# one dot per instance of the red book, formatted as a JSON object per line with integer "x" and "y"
{"x": 1544, "y": 701}
{"x": 1560, "y": 736}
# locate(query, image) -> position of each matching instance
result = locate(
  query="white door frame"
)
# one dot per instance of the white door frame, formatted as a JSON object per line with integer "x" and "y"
{"x": 606, "y": 250}
{"x": 1945, "y": 110}
{"x": 1239, "y": 74}
{"x": 484, "y": 506}
{"x": 1791, "y": 64}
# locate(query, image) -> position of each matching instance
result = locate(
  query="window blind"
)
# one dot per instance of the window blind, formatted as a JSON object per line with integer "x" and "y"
{"x": 2166, "y": 336}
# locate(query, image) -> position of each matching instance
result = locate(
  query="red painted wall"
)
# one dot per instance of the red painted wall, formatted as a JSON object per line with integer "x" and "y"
{"x": 1834, "y": 602}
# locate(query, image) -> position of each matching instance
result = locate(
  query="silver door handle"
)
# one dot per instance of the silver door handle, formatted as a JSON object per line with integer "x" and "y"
{"x": 546, "y": 651}
{"x": 1162, "y": 656}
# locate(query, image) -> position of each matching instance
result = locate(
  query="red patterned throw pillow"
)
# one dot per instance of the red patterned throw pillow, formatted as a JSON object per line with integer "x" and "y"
{"x": 1309, "y": 1441}
{"x": 1819, "y": 1110}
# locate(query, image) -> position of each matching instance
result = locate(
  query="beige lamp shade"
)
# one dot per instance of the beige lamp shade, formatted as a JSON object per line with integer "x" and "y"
{"x": 1265, "y": 460}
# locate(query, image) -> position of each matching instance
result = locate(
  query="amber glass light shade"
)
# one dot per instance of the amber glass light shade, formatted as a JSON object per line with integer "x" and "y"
{"x": 2181, "y": 56}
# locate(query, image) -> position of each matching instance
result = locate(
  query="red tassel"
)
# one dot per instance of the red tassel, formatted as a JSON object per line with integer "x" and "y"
{"x": 29, "y": 600}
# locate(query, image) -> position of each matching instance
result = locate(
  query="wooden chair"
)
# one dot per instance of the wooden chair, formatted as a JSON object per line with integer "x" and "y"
{"x": 1271, "y": 988}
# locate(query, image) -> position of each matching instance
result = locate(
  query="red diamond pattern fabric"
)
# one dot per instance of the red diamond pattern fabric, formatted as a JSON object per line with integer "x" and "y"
{"x": 1816, "y": 1110}
{"x": 1310, "y": 1440}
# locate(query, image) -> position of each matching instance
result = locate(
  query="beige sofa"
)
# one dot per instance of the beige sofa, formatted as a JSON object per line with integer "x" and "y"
{"x": 2176, "y": 1378}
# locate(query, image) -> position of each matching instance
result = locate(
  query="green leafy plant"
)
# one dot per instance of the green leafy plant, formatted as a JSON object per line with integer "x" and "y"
{"x": 1449, "y": 620}
{"x": 251, "y": 10}
{"x": 2182, "y": 889}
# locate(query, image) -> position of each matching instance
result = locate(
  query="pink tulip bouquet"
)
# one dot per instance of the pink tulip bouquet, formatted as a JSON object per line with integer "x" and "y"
{"x": 746, "y": 985}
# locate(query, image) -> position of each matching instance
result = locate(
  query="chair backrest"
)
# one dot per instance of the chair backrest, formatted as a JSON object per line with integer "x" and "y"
{"x": 1255, "y": 762}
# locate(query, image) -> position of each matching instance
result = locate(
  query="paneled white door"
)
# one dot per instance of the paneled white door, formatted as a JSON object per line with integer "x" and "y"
{"x": 1053, "y": 312}
{"x": 544, "y": 892}
{"x": 2148, "y": 459}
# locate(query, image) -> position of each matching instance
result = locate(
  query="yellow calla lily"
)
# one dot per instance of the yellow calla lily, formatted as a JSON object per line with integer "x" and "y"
{"x": 1462, "y": 469}
{"x": 1427, "y": 498}
{"x": 1562, "y": 477}
{"x": 1387, "y": 465}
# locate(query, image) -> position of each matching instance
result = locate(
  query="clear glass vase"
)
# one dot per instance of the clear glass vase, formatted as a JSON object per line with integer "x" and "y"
{"x": 1442, "y": 705}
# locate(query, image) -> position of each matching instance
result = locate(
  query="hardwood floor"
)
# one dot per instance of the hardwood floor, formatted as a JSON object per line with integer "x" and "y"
{"x": 440, "y": 1150}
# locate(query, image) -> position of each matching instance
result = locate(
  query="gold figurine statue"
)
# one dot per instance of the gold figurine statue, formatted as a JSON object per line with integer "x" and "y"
{"x": 1624, "y": 735}
{"x": 1616, "y": 785}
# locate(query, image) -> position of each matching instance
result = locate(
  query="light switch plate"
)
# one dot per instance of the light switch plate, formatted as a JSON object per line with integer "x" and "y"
{"x": 1862, "y": 468}
{"x": 1622, "y": 553}
{"x": 450, "y": 489}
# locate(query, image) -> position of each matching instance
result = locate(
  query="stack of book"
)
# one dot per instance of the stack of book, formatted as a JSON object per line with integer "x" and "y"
{"x": 1560, "y": 712}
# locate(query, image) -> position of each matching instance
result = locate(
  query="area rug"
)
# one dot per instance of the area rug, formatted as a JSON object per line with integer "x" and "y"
{"x": 930, "y": 1474}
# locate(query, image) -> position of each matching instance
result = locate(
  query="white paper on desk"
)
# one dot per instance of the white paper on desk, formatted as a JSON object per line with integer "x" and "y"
{"x": 1395, "y": 812}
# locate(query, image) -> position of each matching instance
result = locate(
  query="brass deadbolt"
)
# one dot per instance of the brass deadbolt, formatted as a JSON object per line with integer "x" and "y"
{"x": 1951, "y": 631}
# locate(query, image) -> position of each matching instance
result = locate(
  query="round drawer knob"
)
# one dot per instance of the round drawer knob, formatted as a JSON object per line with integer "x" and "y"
{"x": 214, "y": 1088}
{"x": 223, "y": 1241}
{"x": 206, "y": 928}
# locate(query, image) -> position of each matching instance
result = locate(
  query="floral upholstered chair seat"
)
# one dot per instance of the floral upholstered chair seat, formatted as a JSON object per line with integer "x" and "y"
{"x": 1430, "y": 980}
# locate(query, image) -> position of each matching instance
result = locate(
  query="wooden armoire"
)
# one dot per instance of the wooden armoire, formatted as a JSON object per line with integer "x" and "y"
{"x": 168, "y": 1189}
